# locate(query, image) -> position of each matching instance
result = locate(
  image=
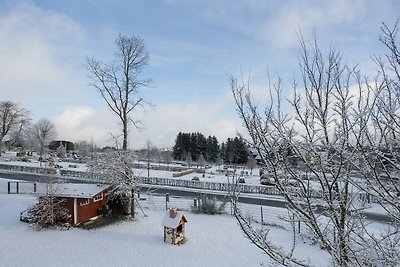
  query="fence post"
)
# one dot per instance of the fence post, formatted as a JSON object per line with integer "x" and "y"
{"x": 199, "y": 203}
{"x": 262, "y": 216}
{"x": 166, "y": 201}
{"x": 9, "y": 187}
{"x": 17, "y": 187}
{"x": 34, "y": 187}
{"x": 299, "y": 226}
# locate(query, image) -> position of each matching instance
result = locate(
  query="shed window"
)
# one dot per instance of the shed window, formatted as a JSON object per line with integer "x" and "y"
{"x": 84, "y": 202}
{"x": 98, "y": 197}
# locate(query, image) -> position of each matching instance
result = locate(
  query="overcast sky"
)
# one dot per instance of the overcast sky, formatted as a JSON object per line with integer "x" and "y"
{"x": 193, "y": 45}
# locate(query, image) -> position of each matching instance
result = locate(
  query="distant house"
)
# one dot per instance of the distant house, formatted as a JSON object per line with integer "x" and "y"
{"x": 253, "y": 152}
{"x": 69, "y": 146}
{"x": 84, "y": 201}
{"x": 174, "y": 227}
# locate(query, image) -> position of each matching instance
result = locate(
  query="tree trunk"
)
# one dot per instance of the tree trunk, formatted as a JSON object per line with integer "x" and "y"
{"x": 125, "y": 130}
{"x": 129, "y": 205}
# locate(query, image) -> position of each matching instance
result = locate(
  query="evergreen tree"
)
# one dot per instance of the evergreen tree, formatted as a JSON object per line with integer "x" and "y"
{"x": 240, "y": 155}
{"x": 212, "y": 150}
{"x": 178, "y": 147}
{"x": 196, "y": 145}
{"x": 201, "y": 146}
{"x": 235, "y": 151}
{"x": 222, "y": 151}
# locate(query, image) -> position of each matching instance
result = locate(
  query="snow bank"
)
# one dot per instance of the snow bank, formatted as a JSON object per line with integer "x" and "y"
{"x": 211, "y": 241}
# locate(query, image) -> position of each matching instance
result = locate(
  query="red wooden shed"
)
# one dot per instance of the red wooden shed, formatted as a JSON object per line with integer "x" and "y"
{"x": 83, "y": 200}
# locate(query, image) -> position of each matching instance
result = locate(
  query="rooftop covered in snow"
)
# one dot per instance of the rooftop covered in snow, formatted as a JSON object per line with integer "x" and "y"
{"x": 79, "y": 190}
{"x": 173, "y": 222}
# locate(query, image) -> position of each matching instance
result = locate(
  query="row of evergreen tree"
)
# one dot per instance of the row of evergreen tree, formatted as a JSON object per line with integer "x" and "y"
{"x": 197, "y": 147}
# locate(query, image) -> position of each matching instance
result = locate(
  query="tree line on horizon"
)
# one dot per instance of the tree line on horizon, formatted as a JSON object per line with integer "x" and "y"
{"x": 196, "y": 147}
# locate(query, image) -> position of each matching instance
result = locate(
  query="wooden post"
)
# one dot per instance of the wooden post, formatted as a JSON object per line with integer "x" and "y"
{"x": 34, "y": 187}
{"x": 17, "y": 187}
{"x": 198, "y": 203}
{"x": 9, "y": 187}
{"x": 299, "y": 227}
{"x": 166, "y": 201}
{"x": 262, "y": 216}
{"x": 133, "y": 203}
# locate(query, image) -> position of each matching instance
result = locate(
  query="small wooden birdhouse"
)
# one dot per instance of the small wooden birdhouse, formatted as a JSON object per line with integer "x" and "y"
{"x": 174, "y": 227}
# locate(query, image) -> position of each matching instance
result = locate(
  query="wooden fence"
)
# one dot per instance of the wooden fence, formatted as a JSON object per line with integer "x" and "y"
{"x": 21, "y": 187}
{"x": 255, "y": 189}
{"x": 225, "y": 187}
{"x": 182, "y": 173}
{"x": 267, "y": 190}
{"x": 50, "y": 171}
{"x": 159, "y": 167}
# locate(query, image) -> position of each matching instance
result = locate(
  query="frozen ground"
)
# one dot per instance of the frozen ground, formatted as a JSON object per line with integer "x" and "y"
{"x": 213, "y": 174}
{"x": 212, "y": 241}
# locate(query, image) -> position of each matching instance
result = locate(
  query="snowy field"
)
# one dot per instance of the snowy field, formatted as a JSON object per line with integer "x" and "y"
{"x": 211, "y": 241}
{"x": 213, "y": 174}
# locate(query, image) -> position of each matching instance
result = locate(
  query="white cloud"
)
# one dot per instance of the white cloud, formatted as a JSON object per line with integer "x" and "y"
{"x": 77, "y": 123}
{"x": 160, "y": 125}
{"x": 163, "y": 124}
{"x": 36, "y": 63}
{"x": 42, "y": 57}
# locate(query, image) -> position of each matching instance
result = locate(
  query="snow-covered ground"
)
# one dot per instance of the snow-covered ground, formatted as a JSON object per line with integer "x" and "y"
{"x": 211, "y": 241}
{"x": 213, "y": 174}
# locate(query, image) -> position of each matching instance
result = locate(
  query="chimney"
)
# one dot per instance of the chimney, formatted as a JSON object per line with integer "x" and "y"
{"x": 172, "y": 213}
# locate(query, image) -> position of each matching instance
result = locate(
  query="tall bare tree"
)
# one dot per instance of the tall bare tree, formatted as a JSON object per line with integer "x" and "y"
{"x": 115, "y": 167}
{"x": 326, "y": 157}
{"x": 379, "y": 146}
{"x": 42, "y": 133}
{"x": 119, "y": 83}
{"x": 12, "y": 120}
{"x": 149, "y": 154}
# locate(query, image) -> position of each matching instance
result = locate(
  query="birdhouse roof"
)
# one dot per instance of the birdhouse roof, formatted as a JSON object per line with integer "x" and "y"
{"x": 173, "y": 222}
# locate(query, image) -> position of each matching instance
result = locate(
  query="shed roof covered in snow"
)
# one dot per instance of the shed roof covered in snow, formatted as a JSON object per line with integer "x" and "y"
{"x": 79, "y": 190}
{"x": 173, "y": 222}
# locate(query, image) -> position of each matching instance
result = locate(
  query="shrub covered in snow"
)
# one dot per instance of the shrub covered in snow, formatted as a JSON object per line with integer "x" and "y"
{"x": 49, "y": 212}
{"x": 208, "y": 205}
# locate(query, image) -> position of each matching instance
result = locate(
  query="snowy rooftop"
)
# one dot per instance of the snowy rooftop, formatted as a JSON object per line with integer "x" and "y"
{"x": 173, "y": 222}
{"x": 79, "y": 190}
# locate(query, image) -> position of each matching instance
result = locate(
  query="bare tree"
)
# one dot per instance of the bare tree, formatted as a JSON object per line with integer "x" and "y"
{"x": 119, "y": 82}
{"x": 334, "y": 114}
{"x": 251, "y": 163}
{"x": 42, "y": 133}
{"x": 115, "y": 167}
{"x": 149, "y": 154}
{"x": 12, "y": 120}
{"x": 167, "y": 156}
{"x": 84, "y": 149}
{"x": 379, "y": 147}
